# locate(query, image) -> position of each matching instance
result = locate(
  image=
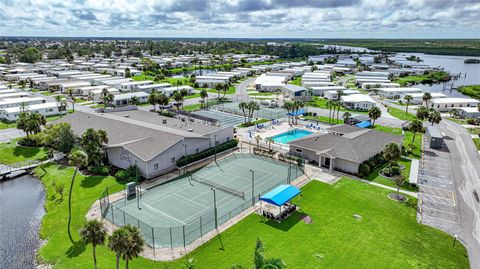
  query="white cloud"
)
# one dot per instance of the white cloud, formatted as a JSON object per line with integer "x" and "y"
{"x": 242, "y": 18}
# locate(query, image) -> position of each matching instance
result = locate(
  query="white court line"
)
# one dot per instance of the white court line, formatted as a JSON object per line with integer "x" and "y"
{"x": 188, "y": 199}
{"x": 163, "y": 213}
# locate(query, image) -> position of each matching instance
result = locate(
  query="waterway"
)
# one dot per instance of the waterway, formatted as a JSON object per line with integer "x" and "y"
{"x": 21, "y": 212}
{"x": 470, "y": 73}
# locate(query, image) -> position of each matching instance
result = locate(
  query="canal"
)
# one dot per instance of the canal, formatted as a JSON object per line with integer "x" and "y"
{"x": 21, "y": 212}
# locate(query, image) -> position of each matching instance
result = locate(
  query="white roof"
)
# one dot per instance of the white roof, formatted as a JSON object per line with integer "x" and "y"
{"x": 31, "y": 107}
{"x": 357, "y": 98}
{"x": 433, "y": 94}
{"x": 7, "y": 101}
{"x": 14, "y": 94}
{"x": 400, "y": 90}
{"x": 469, "y": 109}
{"x": 110, "y": 90}
{"x": 454, "y": 100}
{"x": 327, "y": 88}
{"x": 152, "y": 86}
{"x": 129, "y": 95}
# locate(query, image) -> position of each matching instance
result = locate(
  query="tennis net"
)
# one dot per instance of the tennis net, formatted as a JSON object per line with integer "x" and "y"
{"x": 238, "y": 193}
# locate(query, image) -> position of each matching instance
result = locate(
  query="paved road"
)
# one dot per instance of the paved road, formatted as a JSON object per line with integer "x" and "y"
{"x": 11, "y": 133}
{"x": 452, "y": 178}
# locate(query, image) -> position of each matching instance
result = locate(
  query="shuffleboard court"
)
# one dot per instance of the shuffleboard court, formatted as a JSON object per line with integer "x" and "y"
{"x": 182, "y": 210}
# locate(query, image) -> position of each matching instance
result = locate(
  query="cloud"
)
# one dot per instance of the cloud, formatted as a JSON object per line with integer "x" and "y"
{"x": 243, "y": 18}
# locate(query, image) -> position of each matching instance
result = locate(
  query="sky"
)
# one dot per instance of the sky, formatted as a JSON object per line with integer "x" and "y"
{"x": 242, "y": 18}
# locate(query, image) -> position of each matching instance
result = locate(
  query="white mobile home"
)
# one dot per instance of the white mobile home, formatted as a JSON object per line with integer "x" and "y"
{"x": 126, "y": 98}
{"x": 313, "y": 84}
{"x": 17, "y": 102}
{"x": 446, "y": 104}
{"x": 14, "y": 95}
{"x": 370, "y": 86}
{"x": 358, "y": 101}
{"x": 418, "y": 97}
{"x": 320, "y": 91}
{"x": 46, "y": 109}
{"x": 96, "y": 94}
{"x": 397, "y": 93}
{"x": 130, "y": 86}
{"x": 150, "y": 87}
{"x": 333, "y": 94}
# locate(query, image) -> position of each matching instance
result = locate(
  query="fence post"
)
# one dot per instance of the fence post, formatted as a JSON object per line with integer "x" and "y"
{"x": 201, "y": 230}
{"x": 171, "y": 242}
{"x": 153, "y": 243}
{"x": 113, "y": 220}
{"x": 124, "y": 219}
{"x": 184, "y": 243}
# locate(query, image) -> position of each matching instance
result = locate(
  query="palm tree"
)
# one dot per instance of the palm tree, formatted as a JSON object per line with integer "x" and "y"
{"x": 269, "y": 140}
{"x": 426, "y": 96}
{"x": 416, "y": 126}
{"x": 162, "y": 99}
{"x": 339, "y": 94}
{"x": 22, "y": 122}
{"x": 258, "y": 138}
{"x": 69, "y": 92}
{"x": 35, "y": 122}
{"x": 409, "y": 99}
{"x": 392, "y": 153}
{"x": 374, "y": 114}
{"x": 434, "y": 117}
{"x": 330, "y": 106}
{"x": 135, "y": 100}
{"x": 78, "y": 159}
{"x": 252, "y": 106}
{"x": 338, "y": 105}
{"x": 135, "y": 244}
{"x": 346, "y": 116}
{"x": 218, "y": 88}
{"x": 289, "y": 107}
{"x": 204, "y": 96}
{"x": 178, "y": 100}
{"x": 225, "y": 88}
{"x": 152, "y": 99}
{"x": 118, "y": 243}
{"x": 93, "y": 232}
{"x": 423, "y": 113}
{"x": 260, "y": 262}
{"x": 297, "y": 105}
{"x": 60, "y": 102}
{"x": 243, "y": 106}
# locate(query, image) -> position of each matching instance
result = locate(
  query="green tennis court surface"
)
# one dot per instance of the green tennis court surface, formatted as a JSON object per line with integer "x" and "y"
{"x": 263, "y": 112}
{"x": 225, "y": 119}
{"x": 182, "y": 210}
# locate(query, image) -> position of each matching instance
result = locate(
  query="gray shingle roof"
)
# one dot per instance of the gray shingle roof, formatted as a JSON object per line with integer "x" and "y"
{"x": 356, "y": 144}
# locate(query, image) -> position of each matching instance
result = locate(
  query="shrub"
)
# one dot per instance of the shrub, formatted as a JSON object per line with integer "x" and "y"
{"x": 31, "y": 141}
{"x": 101, "y": 170}
{"x": 364, "y": 170}
{"x": 206, "y": 153}
{"x": 122, "y": 175}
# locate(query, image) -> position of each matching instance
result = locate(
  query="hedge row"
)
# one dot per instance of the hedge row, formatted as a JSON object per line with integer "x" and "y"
{"x": 206, "y": 153}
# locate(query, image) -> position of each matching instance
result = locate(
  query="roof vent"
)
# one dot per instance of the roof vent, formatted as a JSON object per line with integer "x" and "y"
{"x": 164, "y": 121}
{"x": 126, "y": 116}
{"x": 190, "y": 130}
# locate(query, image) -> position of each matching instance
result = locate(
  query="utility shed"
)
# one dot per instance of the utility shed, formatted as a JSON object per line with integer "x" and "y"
{"x": 434, "y": 138}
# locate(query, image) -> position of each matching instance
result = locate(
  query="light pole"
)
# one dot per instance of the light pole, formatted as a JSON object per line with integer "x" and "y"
{"x": 215, "y": 207}
{"x": 186, "y": 158}
{"x": 138, "y": 187}
{"x": 253, "y": 186}
{"x": 455, "y": 240}
{"x": 215, "y": 146}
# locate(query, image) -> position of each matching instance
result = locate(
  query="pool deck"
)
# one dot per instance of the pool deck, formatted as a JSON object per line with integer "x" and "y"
{"x": 273, "y": 130}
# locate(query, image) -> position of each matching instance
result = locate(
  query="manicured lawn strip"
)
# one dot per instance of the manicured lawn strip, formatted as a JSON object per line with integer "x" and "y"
{"x": 387, "y": 236}
{"x": 260, "y": 121}
{"x": 470, "y": 90}
{"x": 400, "y": 114}
{"x": 376, "y": 177}
{"x": 296, "y": 81}
{"x": 323, "y": 119}
{"x": 7, "y": 125}
{"x": 430, "y": 77}
{"x": 474, "y": 131}
{"x": 459, "y": 121}
{"x": 231, "y": 90}
{"x": 407, "y": 139}
{"x": 476, "y": 141}
{"x": 322, "y": 103}
{"x": 10, "y": 153}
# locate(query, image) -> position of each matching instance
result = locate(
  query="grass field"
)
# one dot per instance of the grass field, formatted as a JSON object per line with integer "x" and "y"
{"x": 471, "y": 90}
{"x": 387, "y": 236}
{"x": 400, "y": 114}
{"x": 476, "y": 141}
{"x": 322, "y": 103}
{"x": 474, "y": 131}
{"x": 375, "y": 177}
{"x": 407, "y": 139}
{"x": 430, "y": 77}
{"x": 7, "y": 125}
{"x": 10, "y": 153}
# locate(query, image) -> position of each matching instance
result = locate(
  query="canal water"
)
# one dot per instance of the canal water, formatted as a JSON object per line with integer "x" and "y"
{"x": 453, "y": 65}
{"x": 21, "y": 212}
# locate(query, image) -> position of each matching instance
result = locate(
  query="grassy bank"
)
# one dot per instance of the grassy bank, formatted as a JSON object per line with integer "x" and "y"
{"x": 401, "y": 114}
{"x": 386, "y": 236}
{"x": 428, "y": 77}
{"x": 10, "y": 153}
{"x": 471, "y": 90}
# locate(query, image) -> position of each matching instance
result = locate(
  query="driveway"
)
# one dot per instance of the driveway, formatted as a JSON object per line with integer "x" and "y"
{"x": 9, "y": 134}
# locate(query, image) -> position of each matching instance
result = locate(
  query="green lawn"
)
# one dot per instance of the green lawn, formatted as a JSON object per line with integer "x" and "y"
{"x": 231, "y": 90}
{"x": 387, "y": 236}
{"x": 430, "y": 77}
{"x": 375, "y": 177}
{"x": 12, "y": 153}
{"x": 400, "y": 114}
{"x": 407, "y": 139}
{"x": 296, "y": 81}
{"x": 260, "y": 121}
{"x": 322, "y": 103}
{"x": 474, "y": 131}
{"x": 459, "y": 121}
{"x": 470, "y": 90}
{"x": 7, "y": 125}
{"x": 476, "y": 141}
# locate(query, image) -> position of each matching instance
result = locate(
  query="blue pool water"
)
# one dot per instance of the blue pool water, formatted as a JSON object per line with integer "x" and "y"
{"x": 291, "y": 135}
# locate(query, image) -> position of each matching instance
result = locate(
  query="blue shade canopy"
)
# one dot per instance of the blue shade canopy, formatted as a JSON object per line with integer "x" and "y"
{"x": 364, "y": 124}
{"x": 280, "y": 195}
{"x": 296, "y": 113}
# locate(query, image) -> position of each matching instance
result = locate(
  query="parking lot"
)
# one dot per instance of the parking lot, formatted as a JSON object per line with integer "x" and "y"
{"x": 436, "y": 189}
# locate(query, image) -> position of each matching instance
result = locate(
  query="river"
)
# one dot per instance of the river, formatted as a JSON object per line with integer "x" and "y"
{"x": 21, "y": 212}
{"x": 453, "y": 65}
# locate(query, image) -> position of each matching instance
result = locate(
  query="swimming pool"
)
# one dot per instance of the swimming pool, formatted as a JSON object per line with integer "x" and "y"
{"x": 291, "y": 135}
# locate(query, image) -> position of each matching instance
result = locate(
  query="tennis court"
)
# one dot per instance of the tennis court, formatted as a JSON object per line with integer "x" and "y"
{"x": 264, "y": 112}
{"x": 225, "y": 119}
{"x": 181, "y": 211}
